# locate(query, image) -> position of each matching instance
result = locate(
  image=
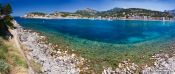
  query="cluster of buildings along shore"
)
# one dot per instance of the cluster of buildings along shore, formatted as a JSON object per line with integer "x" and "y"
{"x": 77, "y": 16}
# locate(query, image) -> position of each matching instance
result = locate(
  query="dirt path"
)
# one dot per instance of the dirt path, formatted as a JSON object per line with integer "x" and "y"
{"x": 15, "y": 40}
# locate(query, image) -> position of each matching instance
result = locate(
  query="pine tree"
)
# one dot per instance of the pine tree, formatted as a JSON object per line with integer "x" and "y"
{"x": 6, "y": 21}
{"x": 6, "y": 9}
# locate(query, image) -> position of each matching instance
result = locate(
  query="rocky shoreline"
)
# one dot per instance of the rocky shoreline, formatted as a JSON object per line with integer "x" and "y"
{"x": 164, "y": 64}
{"x": 38, "y": 51}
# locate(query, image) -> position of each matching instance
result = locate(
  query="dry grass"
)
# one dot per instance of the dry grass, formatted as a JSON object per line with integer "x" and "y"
{"x": 35, "y": 66}
{"x": 12, "y": 56}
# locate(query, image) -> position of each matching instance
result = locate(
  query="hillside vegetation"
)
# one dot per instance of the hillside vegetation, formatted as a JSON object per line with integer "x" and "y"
{"x": 119, "y": 12}
{"x": 11, "y": 60}
{"x": 114, "y": 13}
{"x": 5, "y": 21}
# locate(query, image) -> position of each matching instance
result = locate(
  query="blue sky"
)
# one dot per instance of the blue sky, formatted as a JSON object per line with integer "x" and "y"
{"x": 21, "y": 7}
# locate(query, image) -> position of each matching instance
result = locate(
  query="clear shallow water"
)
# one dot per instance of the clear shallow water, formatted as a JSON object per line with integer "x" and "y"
{"x": 107, "y": 42}
{"x": 119, "y": 32}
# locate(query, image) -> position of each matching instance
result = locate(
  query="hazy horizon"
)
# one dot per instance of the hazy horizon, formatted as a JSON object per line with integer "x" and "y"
{"x": 21, "y": 7}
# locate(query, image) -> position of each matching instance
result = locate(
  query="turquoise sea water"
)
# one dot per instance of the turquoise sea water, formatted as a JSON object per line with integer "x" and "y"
{"x": 105, "y": 41}
{"x": 118, "y": 32}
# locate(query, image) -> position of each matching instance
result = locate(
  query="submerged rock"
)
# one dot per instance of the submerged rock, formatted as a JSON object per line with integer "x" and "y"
{"x": 125, "y": 67}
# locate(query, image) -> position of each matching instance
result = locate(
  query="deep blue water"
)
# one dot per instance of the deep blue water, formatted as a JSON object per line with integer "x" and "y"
{"x": 117, "y": 32}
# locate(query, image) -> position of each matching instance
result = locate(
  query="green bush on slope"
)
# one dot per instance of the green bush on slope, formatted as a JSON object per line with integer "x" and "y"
{"x": 5, "y": 21}
{"x": 4, "y": 67}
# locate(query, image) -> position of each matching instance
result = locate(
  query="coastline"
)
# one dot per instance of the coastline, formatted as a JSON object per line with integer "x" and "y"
{"x": 107, "y": 19}
{"x": 164, "y": 64}
{"x": 18, "y": 45}
{"x": 38, "y": 53}
{"x": 37, "y": 49}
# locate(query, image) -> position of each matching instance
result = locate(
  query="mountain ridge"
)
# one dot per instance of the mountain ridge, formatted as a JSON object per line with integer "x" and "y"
{"x": 116, "y": 13}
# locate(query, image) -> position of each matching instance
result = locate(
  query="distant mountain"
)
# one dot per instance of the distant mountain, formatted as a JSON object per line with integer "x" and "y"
{"x": 109, "y": 12}
{"x": 38, "y": 13}
{"x": 172, "y": 12}
{"x": 116, "y": 9}
{"x": 115, "y": 13}
{"x": 87, "y": 12}
{"x": 129, "y": 12}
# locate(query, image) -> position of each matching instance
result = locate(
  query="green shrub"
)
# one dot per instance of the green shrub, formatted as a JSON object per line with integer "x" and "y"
{"x": 4, "y": 67}
{"x": 3, "y": 51}
{"x": 19, "y": 61}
